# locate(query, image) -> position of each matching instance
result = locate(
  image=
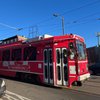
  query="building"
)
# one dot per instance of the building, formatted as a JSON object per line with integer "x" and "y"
{"x": 93, "y": 55}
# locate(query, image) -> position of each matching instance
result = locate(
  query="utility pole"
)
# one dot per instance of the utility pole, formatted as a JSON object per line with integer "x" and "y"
{"x": 33, "y": 31}
{"x": 98, "y": 36}
{"x": 63, "y": 25}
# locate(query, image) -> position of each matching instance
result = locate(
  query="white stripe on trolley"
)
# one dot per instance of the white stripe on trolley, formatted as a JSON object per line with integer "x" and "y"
{"x": 82, "y": 61}
{"x": 72, "y": 61}
{"x": 78, "y": 61}
{"x": 72, "y": 76}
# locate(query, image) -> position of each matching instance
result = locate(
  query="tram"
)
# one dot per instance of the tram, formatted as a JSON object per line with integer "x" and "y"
{"x": 52, "y": 60}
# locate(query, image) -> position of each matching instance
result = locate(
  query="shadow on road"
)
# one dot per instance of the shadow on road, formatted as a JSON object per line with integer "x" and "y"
{"x": 30, "y": 82}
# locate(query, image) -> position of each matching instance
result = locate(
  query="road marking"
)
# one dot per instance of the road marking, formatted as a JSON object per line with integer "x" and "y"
{"x": 13, "y": 96}
{"x": 10, "y": 97}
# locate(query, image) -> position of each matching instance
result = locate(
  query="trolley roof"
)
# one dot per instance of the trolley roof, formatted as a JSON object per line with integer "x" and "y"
{"x": 41, "y": 39}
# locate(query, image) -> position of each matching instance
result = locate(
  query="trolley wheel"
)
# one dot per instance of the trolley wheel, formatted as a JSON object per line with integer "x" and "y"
{"x": 35, "y": 79}
{"x": 20, "y": 76}
{"x": 75, "y": 83}
{"x": 79, "y": 83}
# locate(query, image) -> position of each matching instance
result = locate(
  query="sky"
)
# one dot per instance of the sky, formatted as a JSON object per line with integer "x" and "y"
{"x": 81, "y": 17}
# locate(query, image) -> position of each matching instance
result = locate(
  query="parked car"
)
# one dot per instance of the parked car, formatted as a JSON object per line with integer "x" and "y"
{"x": 2, "y": 87}
{"x": 95, "y": 69}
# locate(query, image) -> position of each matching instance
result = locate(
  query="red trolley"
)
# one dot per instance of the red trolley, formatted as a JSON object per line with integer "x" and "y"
{"x": 54, "y": 60}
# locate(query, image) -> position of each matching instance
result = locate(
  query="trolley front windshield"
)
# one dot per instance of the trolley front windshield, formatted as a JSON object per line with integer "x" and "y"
{"x": 81, "y": 50}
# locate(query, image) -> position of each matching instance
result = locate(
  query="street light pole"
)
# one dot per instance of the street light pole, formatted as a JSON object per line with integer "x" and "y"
{"x": 63, "y": 25}
{"x": 62, "y": 18}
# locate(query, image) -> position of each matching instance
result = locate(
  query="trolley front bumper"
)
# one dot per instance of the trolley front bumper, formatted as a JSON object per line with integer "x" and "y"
{"x": 84, "y": 77}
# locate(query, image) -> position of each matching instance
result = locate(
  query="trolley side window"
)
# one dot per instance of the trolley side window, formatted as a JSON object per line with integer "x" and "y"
{"x": 6, "y": 55}
{"x": 30, "y": 53}
{"x": 16, "y": 54}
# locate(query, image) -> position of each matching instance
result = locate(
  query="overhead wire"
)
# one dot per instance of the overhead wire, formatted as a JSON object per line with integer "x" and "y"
{"x": 82, "y": 18}
{"x": 81, "y": 23}
{"x": 86, "y": 17}
{"x": 67, "y": 12}
{"x": 78, "y": 8}
{"x": 7, "y": 33}
{"x": 49, "y": 19}
{"x": 6, "y": 25}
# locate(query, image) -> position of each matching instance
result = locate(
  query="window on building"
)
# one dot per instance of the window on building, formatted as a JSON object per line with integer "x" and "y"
{"x": 30, "y": 53}
{"x": 6, "y": 55}
{"x": 16, "y": 54}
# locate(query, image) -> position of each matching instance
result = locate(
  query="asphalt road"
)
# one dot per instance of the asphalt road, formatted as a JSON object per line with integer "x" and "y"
{"x": 27, "y": 91}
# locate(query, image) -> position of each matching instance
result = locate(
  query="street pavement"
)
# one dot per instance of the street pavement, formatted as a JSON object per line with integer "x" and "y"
{"x": 91, "y": 86}
{"x": 26, "y": 91}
